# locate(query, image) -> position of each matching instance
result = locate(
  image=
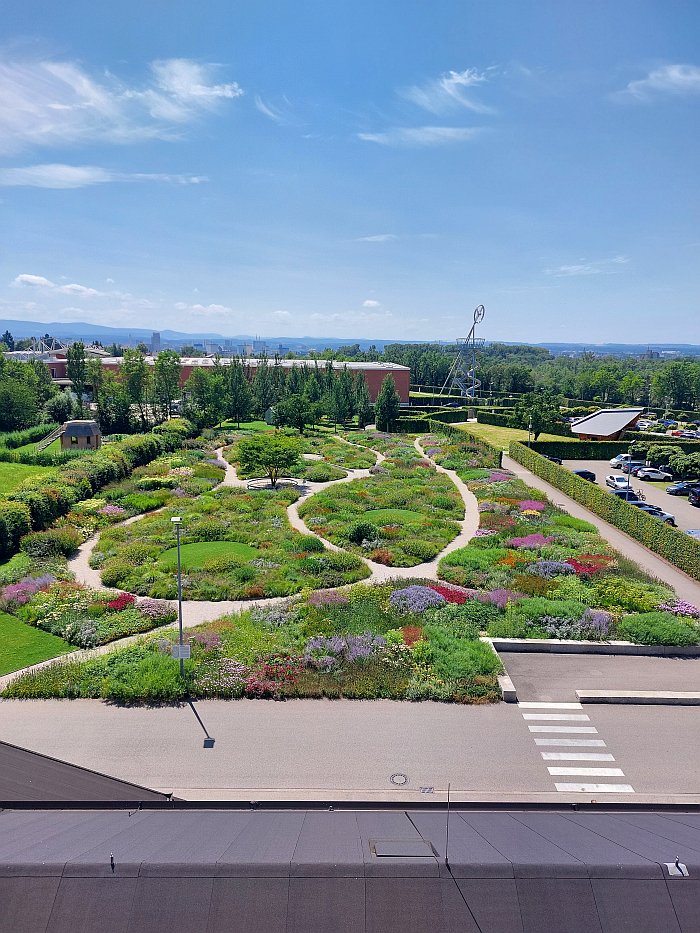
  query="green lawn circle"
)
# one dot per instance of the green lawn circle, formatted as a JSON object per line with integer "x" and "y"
{"x": 195, "y": 555}
{"x": 392, "y": 516}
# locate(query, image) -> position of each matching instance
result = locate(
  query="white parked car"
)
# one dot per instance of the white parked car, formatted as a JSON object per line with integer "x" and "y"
{"x": 616, "y": 482}
{"x": 619, "y": 460}
{"x": 653, "y": 473}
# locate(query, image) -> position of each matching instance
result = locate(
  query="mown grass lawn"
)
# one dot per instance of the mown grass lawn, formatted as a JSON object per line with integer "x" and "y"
{"x": 501, "y": 437}
{"x": 22, "y": 645}
{"x": 196, "y": 555}
{"x": 12, "y": 474}
{"x": 53, "y": 448}
{"x": 392, "y": 516}
{"x": 252, "y": 427}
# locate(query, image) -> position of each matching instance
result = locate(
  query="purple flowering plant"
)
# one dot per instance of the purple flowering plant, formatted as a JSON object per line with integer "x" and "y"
{"x": 533, "y": 541}
{"x": 415, "y": 599}
{"x": 332, "y": 652}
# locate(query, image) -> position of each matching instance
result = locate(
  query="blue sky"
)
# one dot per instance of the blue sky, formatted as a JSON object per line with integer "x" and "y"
{"x": 365, "y": 169}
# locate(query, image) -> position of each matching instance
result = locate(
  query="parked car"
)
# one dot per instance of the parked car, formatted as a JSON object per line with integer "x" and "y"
{"x": 620, "y": 458}
{"x": 616, "y": 482}
{"x": 693, "y": 435}
{"x": 553, "y": 459}
{"x": 668, "y": 422}
{"x": 694, "y": 496}
{"x": 682, "y": 489}
{"x": 656, "y": 512}
{"x": 631, "y": 495}
{"x": 585, "y": 474}
{"x": 631, "y": 465}
{"x": 694, "y": 533}
{"x": 652, "y": 473}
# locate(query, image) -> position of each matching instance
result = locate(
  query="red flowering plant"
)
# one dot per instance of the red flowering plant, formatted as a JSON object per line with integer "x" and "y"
{"x": 272, "y": 673}
{"x": 453, "y": 594}
{"x": 121, "y": 602}
{"x": 589, "y": 564}
{"x": 411, "y": 634}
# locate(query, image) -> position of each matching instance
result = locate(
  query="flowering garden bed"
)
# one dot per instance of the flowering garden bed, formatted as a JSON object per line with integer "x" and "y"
{"x": 402, "y": 515}
{"x": 555, "y": 577}
{"x": 410, "y": 641}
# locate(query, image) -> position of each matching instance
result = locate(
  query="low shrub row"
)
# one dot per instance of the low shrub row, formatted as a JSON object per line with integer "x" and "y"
{"x": 680, "y": 549}
{"x": 39, "y": 501}
{"x": 12, "y": 439}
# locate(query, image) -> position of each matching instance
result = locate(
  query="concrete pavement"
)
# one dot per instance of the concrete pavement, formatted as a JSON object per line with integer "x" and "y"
{"x": 320, "y": 749}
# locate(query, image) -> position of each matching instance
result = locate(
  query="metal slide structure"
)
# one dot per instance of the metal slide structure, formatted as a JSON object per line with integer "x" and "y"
{"x": 462, "y": 374}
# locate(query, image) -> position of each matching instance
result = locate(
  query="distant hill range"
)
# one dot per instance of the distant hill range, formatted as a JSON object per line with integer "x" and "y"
{"x": 80, "y": 330}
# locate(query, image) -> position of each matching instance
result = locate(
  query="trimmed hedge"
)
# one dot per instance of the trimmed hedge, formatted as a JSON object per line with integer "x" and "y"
{"x": 39, "y": 501}
{"x": 581, "y": 450}
{"x": 454, "y": 416}
{"x": 11, "y": 439}
{"x": 505, "y": 421}
{"x": 665, "y": 540}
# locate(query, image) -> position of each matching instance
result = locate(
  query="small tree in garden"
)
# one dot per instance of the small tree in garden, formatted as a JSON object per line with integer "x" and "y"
{"x": 274, "y": 455}
{"x": 537, "y": 412}
{"x": 386, "y": 408}
{"x": 76, "y": 370}
{"x": 239, "y": 396}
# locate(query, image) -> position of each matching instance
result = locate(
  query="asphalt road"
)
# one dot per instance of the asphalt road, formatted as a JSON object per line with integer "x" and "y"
{"x": 316, "y": 749}
{"x": 558, "y": 676}
{"x": 687, "y": 515}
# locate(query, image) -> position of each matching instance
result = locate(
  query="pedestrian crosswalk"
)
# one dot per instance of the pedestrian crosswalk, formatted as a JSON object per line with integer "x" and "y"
{"x": 574, "y": 763}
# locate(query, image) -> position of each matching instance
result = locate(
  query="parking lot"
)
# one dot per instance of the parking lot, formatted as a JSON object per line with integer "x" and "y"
{"x": 687, "y": 515}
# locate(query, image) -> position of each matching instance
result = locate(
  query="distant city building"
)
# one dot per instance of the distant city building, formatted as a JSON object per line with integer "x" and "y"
{"x": 155, "y": 342}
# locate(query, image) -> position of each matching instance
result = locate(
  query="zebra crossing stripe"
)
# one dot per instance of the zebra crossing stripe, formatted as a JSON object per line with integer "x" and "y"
{"x": 526, "y": 704}
{"x": 589, "y": 729}
{"x": 575, "y": 787}
{"x": 578, "y": 743}
{"x": 586, "y": 772}
{"x": 577, "y": 756}
{"x": 558, "y": 717}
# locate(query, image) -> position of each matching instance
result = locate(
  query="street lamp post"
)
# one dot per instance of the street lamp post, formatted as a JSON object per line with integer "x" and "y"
{"x": 177, "y": 521}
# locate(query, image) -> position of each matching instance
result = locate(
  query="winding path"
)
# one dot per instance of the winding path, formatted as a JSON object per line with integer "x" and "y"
{"x": 195, "y": 612}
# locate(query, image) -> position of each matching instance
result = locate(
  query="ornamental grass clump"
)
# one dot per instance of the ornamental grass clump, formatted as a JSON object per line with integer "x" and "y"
{"x": 415, "y": 599}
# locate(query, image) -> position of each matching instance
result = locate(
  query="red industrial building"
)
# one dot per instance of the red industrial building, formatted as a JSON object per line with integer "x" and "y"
{"x": 374, "y": 373}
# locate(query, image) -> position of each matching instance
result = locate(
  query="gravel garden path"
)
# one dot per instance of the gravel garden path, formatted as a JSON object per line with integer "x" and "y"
{"x": 195, "y": 612}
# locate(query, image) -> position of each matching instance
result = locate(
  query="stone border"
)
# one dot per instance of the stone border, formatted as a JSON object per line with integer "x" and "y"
{"x": 640, "y": 697}
{"x": 570, "y": 646}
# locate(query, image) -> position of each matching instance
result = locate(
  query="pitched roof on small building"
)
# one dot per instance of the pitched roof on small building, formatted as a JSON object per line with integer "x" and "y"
{"x": 606, "y": 422}
{"x": 84, "y": 428}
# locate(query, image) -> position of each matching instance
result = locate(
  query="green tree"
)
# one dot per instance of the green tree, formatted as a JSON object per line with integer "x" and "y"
{"x": 8, "y": 340}
{"x": 76, "y": 370}
{"x": 294, "y": 411}
{"x": 44, "y": 383}
{"x": 271, "y": 454}
{"x": 136, "y": 377}
{"x": 263, "y": 389}
{"x": 387, "y": 406}
{"x": 239, "y": 397}
{"x": 537, "y": 412}
{"x": 343, "y": 389}
{"x": 59, "y": 408}
{"x": 166, "y": 381}
{"x": 95, "y": 378}
{"x": 205, "y": 397}
{"x": 114, "y": 406}
{"x": 362, "y": 402}
{"x": 18, "y": 405}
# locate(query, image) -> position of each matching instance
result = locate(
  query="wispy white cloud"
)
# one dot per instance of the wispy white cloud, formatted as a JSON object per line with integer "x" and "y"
{"x": 57, "y": 175}
{"x": 679, "y": 80}
{"x": 280, "y": 114}
{"x": 449, "y": 92}
{"x": 584, "y": 267}
{"x": 371, "y": 303}
{"x": 205, "y": 310}
{"x": 27, "y": 280}
{"x": 420, "y": 136}
{"x": 58, "y": 103}
{"x": 281, "y": 315}
{"x": 377, "y": 238}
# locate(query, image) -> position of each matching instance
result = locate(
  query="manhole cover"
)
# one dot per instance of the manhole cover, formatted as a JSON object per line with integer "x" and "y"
{"x": 398, "y": 778}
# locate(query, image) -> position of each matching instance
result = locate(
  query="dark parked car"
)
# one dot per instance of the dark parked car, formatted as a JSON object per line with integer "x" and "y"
{"x": 553, "y": 459}
{"x": 682, "y": 489}
{"x": 585, "y": 474}
{"x": 694, "y": 496}
{"x": 629, "y": 494}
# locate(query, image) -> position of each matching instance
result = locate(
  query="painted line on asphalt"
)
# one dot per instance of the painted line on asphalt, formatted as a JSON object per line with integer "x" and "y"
{"x": 577, "y": 756}
{"x": 558, "y": 717}
{"x": 587, "y": 772}
{"x": 532, "y": 704}
{"x": 588, "y": 743}
{"x": 589, "y": 729}
{"x": 571, "y": 787}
